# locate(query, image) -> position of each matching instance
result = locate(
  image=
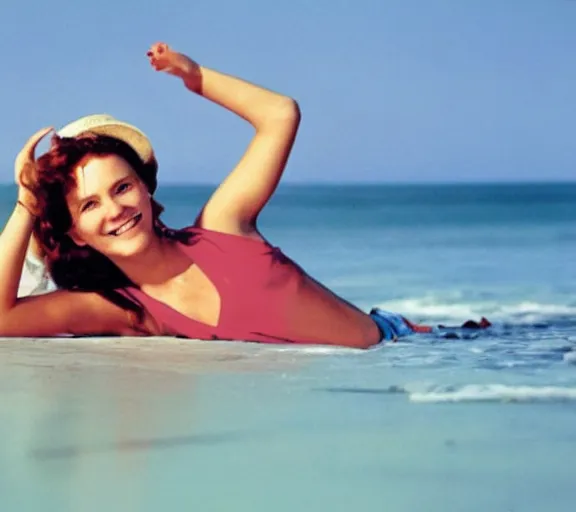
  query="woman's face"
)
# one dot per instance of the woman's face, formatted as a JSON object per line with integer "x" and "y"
{"x": 110, "y": 207}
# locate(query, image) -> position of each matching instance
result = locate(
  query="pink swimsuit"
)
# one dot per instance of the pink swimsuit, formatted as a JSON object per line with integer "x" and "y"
{"x": 256, "y": 283}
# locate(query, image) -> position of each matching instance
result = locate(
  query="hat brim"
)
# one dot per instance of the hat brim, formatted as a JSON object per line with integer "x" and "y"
{"x": 119, "y": 130}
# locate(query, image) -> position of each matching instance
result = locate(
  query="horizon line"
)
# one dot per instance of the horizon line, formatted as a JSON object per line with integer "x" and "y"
{"x": 367, "y": 182}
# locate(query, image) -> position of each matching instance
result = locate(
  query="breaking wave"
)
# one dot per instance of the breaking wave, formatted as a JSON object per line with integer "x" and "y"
{"x": 495, "y": 393}
{"x": 435, "y": 309}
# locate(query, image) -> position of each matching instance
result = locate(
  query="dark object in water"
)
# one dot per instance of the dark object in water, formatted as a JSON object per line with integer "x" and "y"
{"x": 472, "y": 324}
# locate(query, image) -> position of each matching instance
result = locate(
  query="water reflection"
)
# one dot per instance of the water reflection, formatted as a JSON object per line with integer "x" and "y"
{"x": 67, "y": 452}
{"x": 77, "y": 412}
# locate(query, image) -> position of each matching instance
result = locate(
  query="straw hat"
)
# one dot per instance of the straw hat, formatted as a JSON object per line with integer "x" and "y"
{"x": 104, "y": 124}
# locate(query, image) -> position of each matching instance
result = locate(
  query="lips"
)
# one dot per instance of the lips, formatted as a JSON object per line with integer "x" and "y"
{"x": 127, "y": 226}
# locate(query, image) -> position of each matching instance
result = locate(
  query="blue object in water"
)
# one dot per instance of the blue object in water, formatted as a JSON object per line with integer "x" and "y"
{"x": 391, "y": 325}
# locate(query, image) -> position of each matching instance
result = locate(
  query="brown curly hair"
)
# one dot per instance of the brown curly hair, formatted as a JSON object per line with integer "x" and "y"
{"x": 81, "y": 268}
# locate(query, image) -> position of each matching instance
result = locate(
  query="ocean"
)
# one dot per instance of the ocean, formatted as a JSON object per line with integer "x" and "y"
{"x": 485, "y": 422}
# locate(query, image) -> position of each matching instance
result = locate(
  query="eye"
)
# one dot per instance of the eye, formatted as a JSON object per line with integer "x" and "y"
{"x": 123, "y": 187}
{"x": 87, "y": 206}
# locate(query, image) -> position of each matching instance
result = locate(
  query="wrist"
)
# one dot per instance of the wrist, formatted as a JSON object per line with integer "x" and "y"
{"x": 27, "y": 201}
{"x": 192, "y": 78}
{"x": 25, "y": 208}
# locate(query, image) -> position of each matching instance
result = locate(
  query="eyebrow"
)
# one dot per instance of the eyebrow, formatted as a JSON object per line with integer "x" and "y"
{"x": 82, "y": 200}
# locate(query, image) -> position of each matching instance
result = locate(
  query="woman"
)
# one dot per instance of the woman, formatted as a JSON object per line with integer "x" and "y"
{"x": 120, "y": 271}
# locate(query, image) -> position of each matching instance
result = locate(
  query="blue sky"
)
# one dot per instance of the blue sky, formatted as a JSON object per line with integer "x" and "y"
{"x": 391, "y": 91}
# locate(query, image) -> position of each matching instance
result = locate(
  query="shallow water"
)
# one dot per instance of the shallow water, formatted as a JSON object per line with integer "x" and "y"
{"x": 483, "y": 423}
{"x": 145, "y": 424}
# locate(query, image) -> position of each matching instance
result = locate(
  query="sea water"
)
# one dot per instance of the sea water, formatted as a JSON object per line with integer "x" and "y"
{"x": 484, "y": 422}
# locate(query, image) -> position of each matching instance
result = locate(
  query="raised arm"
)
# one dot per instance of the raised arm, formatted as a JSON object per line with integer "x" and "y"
{"x": 235, "y": 205}
{"x": 16, "y": 235}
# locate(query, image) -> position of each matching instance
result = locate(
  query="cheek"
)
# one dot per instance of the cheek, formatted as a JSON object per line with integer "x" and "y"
{"x": 137, "y": 197}
{"x": 87, "y": 226}
{"x": 145, "y": 204}
{"x": 144, "y": 196}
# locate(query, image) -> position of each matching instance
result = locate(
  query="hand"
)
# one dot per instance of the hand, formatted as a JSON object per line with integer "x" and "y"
{"x": 25, "y": 168}
{"x": 163, "y": 58}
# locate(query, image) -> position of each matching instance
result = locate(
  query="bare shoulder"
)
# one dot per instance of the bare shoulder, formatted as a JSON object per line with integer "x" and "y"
{"x": 62, "y": 311}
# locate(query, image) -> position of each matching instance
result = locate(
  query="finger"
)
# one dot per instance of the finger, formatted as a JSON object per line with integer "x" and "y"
{"x": 159, "y": 48}
{"x": 158, "y": 63}
{"x": 158, "y": 66}
{"x": 152, "y": 49}
{"x": 33, "y": 141}
{"x": 153, "y": 56}
{"x": 26, "y": 155}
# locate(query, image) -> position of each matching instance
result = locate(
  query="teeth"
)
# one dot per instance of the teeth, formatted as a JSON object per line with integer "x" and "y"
{"x": 125, "y": 227}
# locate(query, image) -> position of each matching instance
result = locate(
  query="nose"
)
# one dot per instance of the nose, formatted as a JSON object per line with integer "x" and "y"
{"x": 113, "y": 208}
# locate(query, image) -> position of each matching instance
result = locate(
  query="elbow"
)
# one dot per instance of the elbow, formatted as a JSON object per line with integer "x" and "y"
{"x": 284, "y": 112}
{"x": 291, "y": 110}
{"x": 4, "y": 322}
{"x": 5, "y": 330}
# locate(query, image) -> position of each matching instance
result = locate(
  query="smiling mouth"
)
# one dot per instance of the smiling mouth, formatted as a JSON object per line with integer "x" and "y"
{"x": 127, "y": 226}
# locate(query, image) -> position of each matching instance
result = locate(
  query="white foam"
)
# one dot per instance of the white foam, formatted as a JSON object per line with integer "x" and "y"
{"x": 314, "y": 349}
{"x": 430, "y": 307}
{"x": 455, "y": 309}
{"x": 495, "y": 393}
{"x": 534, "y": 311}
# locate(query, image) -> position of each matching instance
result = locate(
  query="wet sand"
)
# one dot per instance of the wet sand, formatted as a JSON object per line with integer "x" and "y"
{"x": 147, "y": 424}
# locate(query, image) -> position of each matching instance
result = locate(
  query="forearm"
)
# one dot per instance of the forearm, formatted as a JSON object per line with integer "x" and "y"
{"x": 14, "y": 241}
{"x": 257, "y": 105}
